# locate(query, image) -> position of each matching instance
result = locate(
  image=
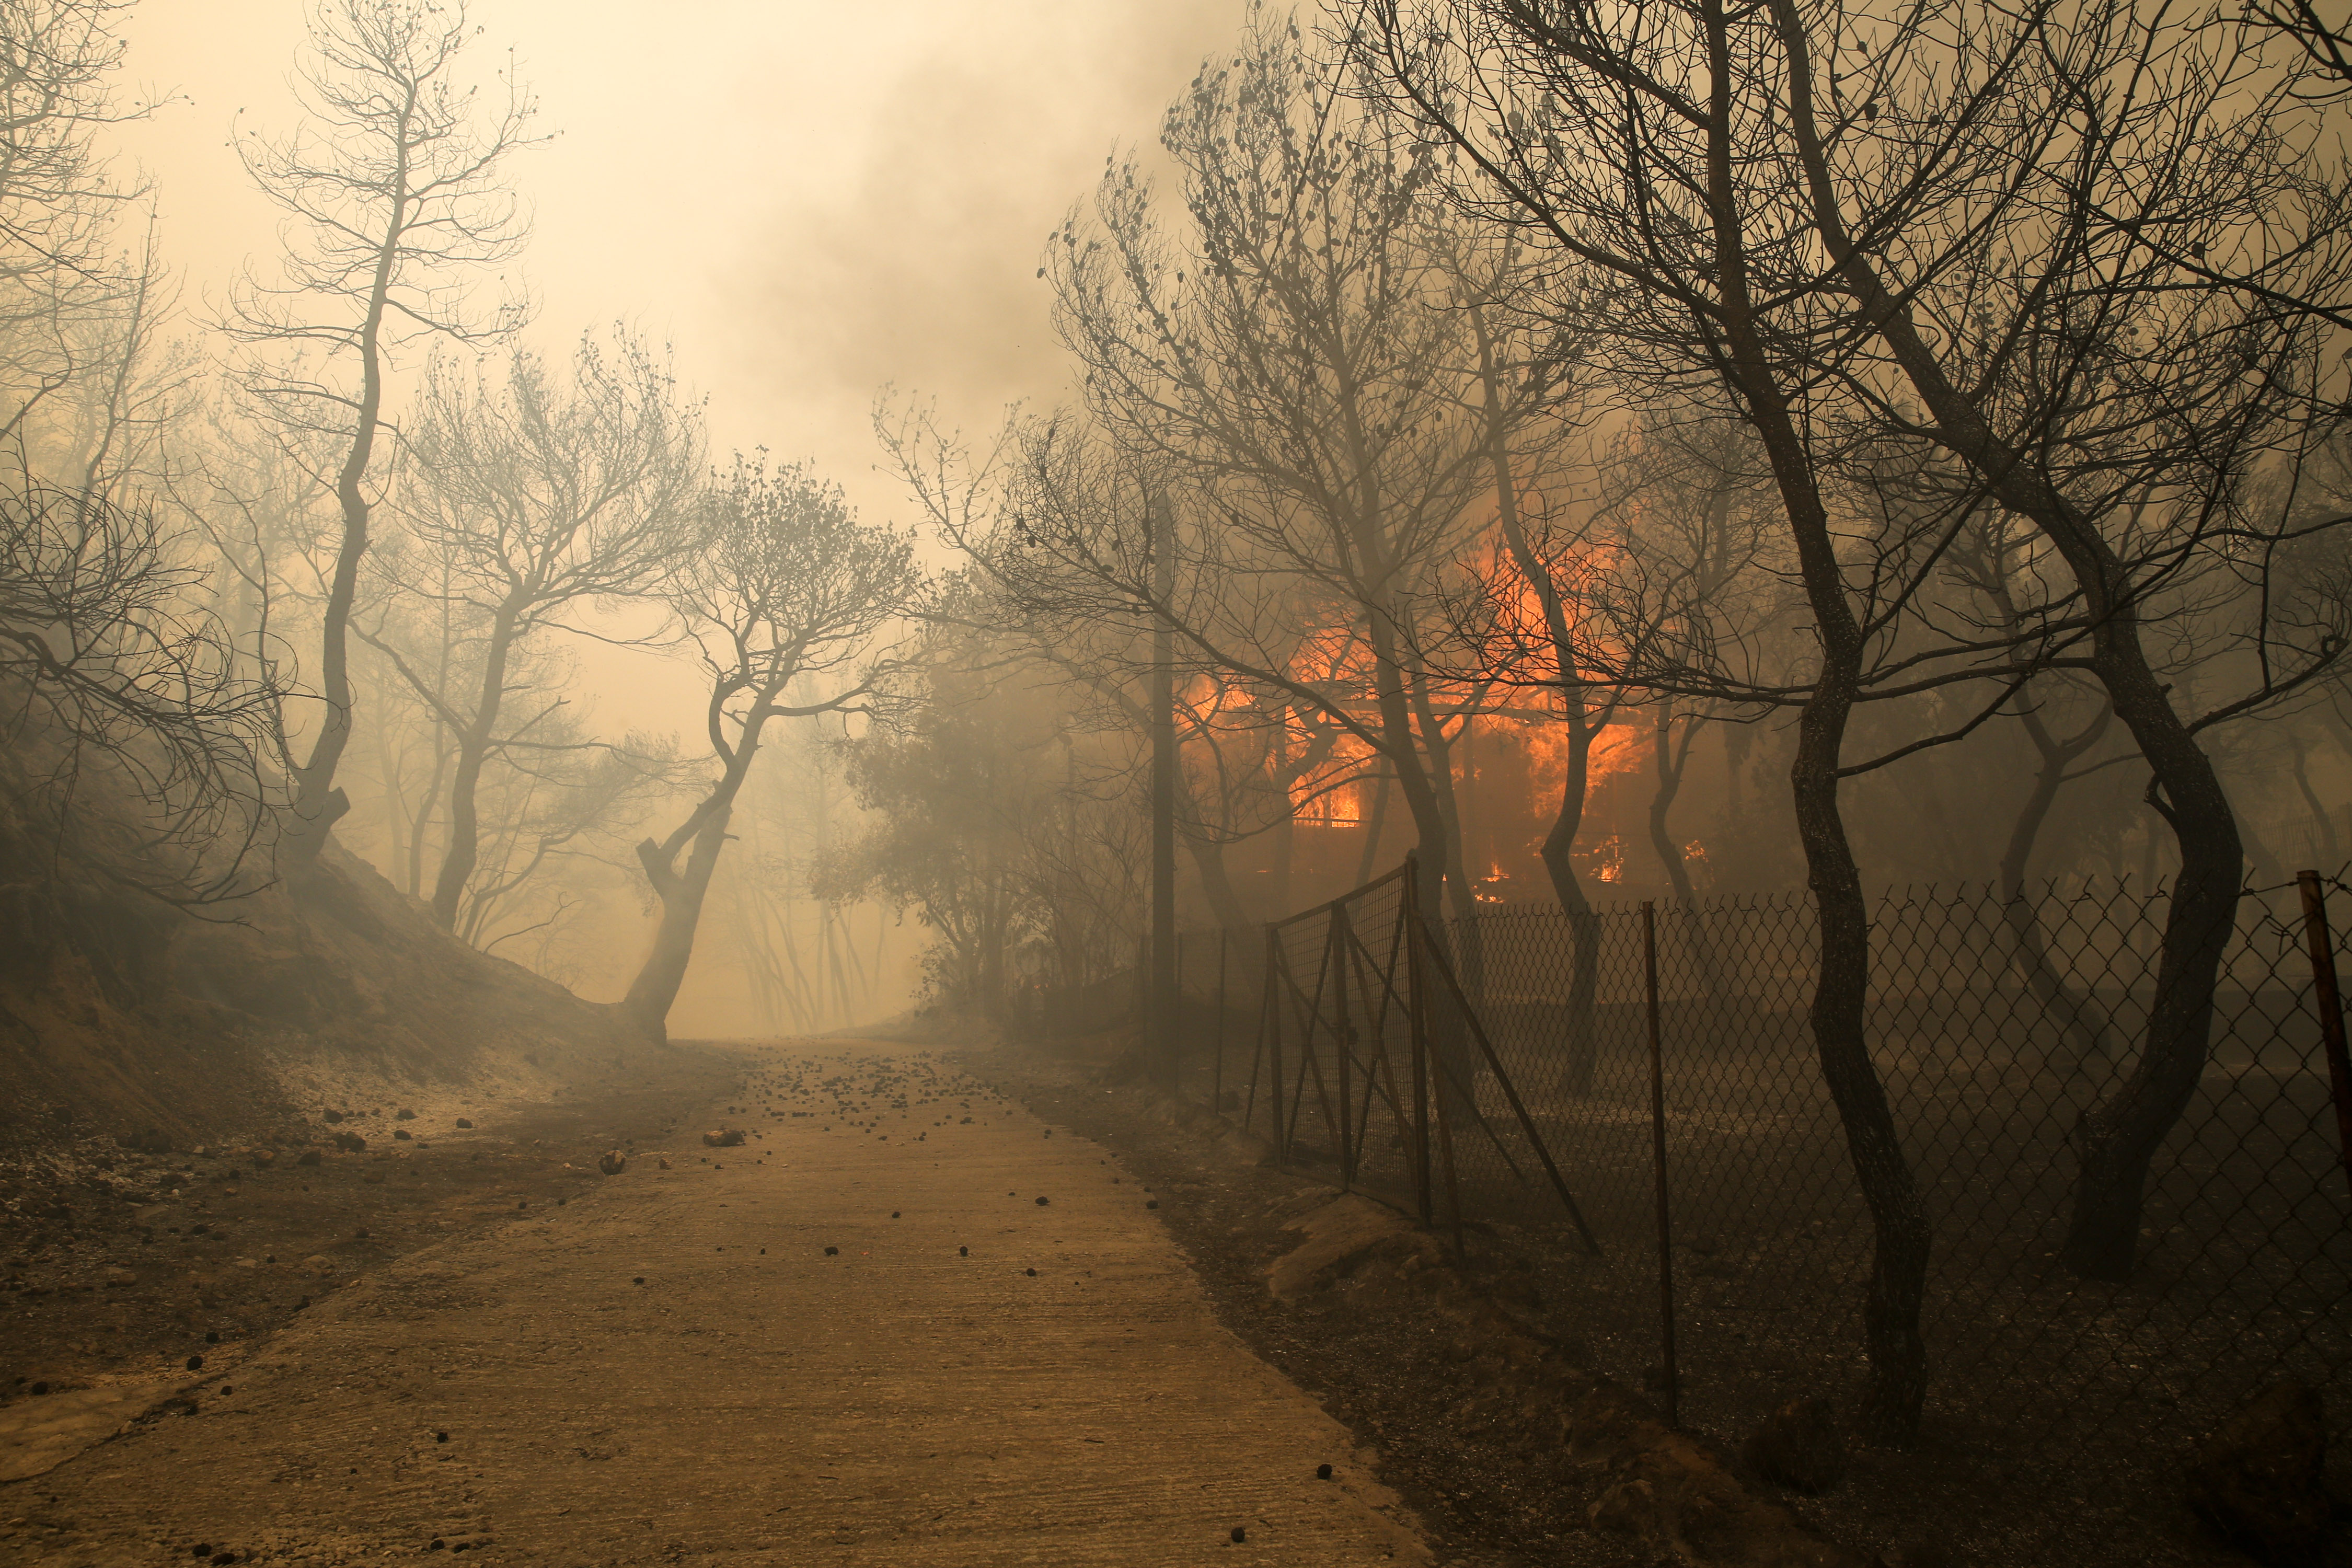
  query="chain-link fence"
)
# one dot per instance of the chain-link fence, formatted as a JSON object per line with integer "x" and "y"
{"x": 1994, "y": 1024}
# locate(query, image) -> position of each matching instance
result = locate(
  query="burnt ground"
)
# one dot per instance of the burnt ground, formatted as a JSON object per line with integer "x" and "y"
{"x": 118, "y": 1264}
{"x": 1481, "y": 1466}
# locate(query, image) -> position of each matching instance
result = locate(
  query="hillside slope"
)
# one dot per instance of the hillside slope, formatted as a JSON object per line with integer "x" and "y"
{"x": 121, "y": 1020}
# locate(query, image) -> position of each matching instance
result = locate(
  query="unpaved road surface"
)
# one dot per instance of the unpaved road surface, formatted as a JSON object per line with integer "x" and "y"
{"x": 919, "y": 1396}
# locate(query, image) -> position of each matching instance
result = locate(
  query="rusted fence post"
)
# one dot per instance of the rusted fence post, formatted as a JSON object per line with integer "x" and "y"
{"x": 1658, "y": 1157}
{"x": 2331, "y": 1009}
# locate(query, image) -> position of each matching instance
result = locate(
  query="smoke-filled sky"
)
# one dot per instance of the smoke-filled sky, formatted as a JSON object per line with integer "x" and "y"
{"x": 809, "y": 200}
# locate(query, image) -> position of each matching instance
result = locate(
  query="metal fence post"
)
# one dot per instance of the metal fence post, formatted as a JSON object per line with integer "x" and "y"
{"x": 2331, "y": 1009}
{"x": 1274, "y": 967}
{"x": 1345, "y": 1040}
{"x": 1175, "y": 1026}
{"x": 1417, "y": 1015}
{"x": 1658, "y": 1157}
{"x": 1217, "y": 1072}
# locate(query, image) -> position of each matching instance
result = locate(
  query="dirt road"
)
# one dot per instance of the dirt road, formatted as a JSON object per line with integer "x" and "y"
{"x": 860, "y": 1338}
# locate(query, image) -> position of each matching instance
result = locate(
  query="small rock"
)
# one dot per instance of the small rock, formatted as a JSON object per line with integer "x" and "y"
{"x": 1031, "y": 1272}
{"x": 318, "y": 1263}
{"x": 402, "y": 1134}
{"x": 1629, "y": 1508}
{"x": 1239, "y": 1534}
{"x": 1151, "y": 1203}
{"x": 350, "y": 1142}
{"x": 833, "y": 1252}
{"x": 462, "y": 1123}
{"x": 212, "y": 1336}
{"x": 1800, "y": 1446}
{"x": 964, "y": 1252}
{"x": 1322, "y": 1472}
{"x": 403, "y": 1114}
{"x": 121, "y": 1277}
{"x": 330, "y": 1117}
{"x": 894, "y": 1214}
{"x": 196, "y": 1363}
{"x": 723, "y": 1138}
{"x": 638, "y": 1281}
{"x": 310, "y": 1157}
{"x": 440, "y": 1436}
{"x": 612, "y": 1162}
{"x": 2260, "y": 1479}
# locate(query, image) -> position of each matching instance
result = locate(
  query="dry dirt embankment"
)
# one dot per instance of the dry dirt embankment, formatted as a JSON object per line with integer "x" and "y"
{"x": 205, "y": 1127}
{"x": 860, "y": 1338}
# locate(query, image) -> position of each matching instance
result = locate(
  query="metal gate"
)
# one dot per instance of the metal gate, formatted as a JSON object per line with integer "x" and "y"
{"x": 1367, "y": 1041}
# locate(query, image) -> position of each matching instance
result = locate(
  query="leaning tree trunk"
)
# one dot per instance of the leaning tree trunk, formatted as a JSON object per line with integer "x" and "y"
{"x": 681, "y": 892}
{"x": 462, "y": 850}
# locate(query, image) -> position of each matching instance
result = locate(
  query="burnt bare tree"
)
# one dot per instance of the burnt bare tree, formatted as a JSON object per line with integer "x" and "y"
{"x": 136, "y": 740}
{"x": 1698, "y": 159}
{"x": 1293, "y": 362}
{"x": 523, "y": 502}
{"x": 787, "y": 588}
{"x": 59, "y": 270}
{"x": 392, "y": 193}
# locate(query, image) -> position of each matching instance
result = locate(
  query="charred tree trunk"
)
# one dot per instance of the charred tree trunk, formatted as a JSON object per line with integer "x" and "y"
{"x": 681, "y": 891}
{"x": 1560, "y": 844}
{"x": 317, "y": 803}
{"x": 1668, "y": 756}
{"x": 1898, "y": 1355}
{"x": 1375, "y": 823}
{"x": 460, "y": 855}
{"x": 1217, "y": 882}
{"x": 2116, "y": 1138}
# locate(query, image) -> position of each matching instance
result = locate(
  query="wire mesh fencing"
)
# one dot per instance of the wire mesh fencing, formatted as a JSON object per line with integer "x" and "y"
{"x": 1996, "y": 1026}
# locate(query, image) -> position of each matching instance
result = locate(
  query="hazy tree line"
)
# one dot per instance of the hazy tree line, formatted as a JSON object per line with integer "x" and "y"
{"x": 1941, "y": 410}
{"x": 322, "y": 557}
